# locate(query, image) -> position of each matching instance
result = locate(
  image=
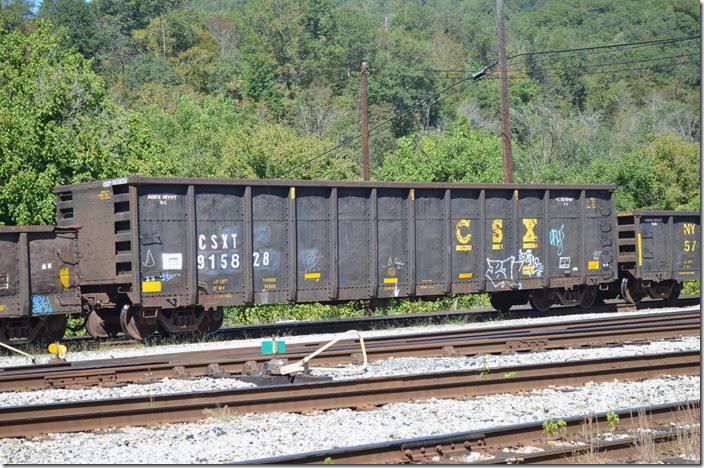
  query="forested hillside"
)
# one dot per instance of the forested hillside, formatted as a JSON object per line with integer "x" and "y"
{"x": 266, "y": 89}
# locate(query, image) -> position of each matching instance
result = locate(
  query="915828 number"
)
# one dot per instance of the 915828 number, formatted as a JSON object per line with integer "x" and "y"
{"x": 226, "y": 261}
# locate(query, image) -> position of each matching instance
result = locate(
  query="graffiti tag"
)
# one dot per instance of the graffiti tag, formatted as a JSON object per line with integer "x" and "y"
{"x": 499, "y": 272}
{"x": 530, "y": 264}
{"x": 557, "y": 236}
{"x": 41, "y": 304}
{"x": 310, "y": 259}
{"x": 168, "y": 276}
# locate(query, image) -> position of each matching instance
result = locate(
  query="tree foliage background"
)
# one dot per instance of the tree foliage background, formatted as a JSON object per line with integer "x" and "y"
{"x": 233, "y": 88}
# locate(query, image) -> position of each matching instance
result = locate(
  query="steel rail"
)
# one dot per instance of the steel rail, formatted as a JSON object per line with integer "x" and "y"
{"x": 20, "y": 421}
{"x": 201, "y": 363}
{"x": 452, "y": 343}
{"x": 455, "y": 447}
{"x": 381, "y": 321}
{"x": 309, "y": 346}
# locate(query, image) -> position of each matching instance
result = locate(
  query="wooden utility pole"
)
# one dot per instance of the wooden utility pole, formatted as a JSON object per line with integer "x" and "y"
{"x": 365, "y": 125}
{"x": 503, "y": 83}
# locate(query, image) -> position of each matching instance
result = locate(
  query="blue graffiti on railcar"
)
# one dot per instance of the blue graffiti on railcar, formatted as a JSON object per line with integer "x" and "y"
{"x": 42, "y": 304}
{"x": 557, "y": 236}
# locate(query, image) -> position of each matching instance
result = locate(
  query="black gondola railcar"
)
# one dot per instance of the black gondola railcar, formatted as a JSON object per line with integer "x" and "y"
{"x": 172, "y": 252}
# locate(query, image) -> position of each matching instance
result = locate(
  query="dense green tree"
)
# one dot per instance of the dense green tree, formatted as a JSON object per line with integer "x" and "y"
{"x": 256, "y": 89}
{"x": 80, "y": 18}
{"x": 459, "y": 155}
{"x": 677, "y": 183}
{"x": 14, "y": 13}
{"x": 136, "y": 14}
{"x": 59, "y": 125}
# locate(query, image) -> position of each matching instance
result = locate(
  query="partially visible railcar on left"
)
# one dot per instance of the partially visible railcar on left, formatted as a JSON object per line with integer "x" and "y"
{"x": 39, "y": 282}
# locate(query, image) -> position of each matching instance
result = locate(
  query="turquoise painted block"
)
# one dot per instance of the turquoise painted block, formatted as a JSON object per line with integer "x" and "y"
{"x": 268, "y": 347}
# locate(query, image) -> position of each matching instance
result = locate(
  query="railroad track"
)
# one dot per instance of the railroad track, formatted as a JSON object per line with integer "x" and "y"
{"x": 601, "y": 331}
{"x": 363, "y": 393}
{"x": 456, "y": 447}
{"x": 388, "y": 321}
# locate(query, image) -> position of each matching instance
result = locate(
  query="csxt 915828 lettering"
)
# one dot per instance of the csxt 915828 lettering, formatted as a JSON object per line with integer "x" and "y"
{"x": 171, "y": 253}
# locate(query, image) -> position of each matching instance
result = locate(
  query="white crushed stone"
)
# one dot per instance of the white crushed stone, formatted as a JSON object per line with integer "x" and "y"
{"x": 398, "y": 366}
{"x": 55, "y": 395}
{"x": 524, "y": 449}
{"x": 253, "y": 436}
{"x": 387, "y": 367}
{"x": 142, "y": 350}
{"x": 474, "y": 457}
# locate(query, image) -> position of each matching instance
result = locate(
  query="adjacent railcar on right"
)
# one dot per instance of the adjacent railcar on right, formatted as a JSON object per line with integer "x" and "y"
{"x": 657, "y": 252}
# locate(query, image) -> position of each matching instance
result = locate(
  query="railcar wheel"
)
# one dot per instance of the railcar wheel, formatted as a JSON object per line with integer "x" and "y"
{"x": 676, "y": 290}
{"x": 52, "y": 329}
{"x": 588, "y": 297}
{"x": 630, "y": 291}
{"x": 98, "y": 324}
{"x": 135, "y": 325}
{"x": 500, "y": 302}
{"x": 541, "y": 301}
{"x": 212, "y": 321}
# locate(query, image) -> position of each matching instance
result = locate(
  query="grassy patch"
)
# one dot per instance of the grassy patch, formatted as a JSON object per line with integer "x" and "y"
{"x": 691, "y": 287}
{"x": 276, "y": 312}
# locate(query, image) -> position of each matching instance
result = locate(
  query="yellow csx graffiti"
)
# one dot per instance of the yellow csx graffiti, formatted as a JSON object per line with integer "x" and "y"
{"x": 464, "y": 240}
{"x": 530, "y": 240}
{"x": 497, "y": 237}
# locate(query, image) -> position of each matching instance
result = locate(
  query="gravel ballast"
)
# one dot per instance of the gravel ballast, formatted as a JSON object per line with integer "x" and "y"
{"x": 142, "y": 350}
{"x": 386, "y": 367}
{"x": 262, "y": 435}
{"x": 396, "y": 366}
{"x": 164, "y": 386}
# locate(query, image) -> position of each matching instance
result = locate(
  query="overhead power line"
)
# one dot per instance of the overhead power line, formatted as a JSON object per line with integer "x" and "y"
{"x": 376, "y": 128}
{"x": 564, "y": 52}
{"x": 488, "y": 70}
{"x": 602, "y": 72}
{"x": 609, "y": 46}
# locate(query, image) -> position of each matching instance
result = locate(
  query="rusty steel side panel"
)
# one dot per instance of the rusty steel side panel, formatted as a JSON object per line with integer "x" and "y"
{"x": 686, "y": 249}
{"x": 313, "y": 237}
{"x": 600, "y": 237}
{"x": 220, "y": 227}
{"x": 467, "y": 244}
{"x": 565, "y": 238}
{"x": 502, "y": 268}
{"x": 431, "y": 227}
{"x": 272, "y": 234}
{"x": 217, "y": 243}
{"x": 354, "y": 243}
{"x": 38, "y": 271}
{"x": 666, "y": 245}
{"x": 392, "y": 233}
{"x": 531, "y": 249}
{"x": 163, "y": 246}
{"x": 104, "y": 211}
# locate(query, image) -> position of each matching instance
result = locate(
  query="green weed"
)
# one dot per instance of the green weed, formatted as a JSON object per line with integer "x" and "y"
{"x": 554, "y": 429}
